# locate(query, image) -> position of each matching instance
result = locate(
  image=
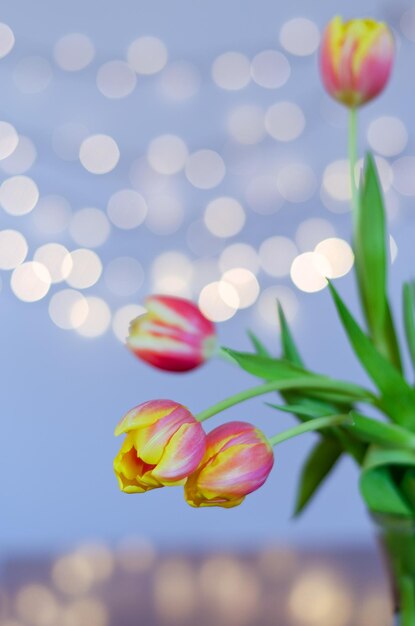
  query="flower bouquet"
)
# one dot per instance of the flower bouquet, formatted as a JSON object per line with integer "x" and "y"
{"x": 165, "y": 443}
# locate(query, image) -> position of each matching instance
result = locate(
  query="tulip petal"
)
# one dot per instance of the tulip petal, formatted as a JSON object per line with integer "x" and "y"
{"x": 144, "y": 415}
{"x": 182, "y": 454}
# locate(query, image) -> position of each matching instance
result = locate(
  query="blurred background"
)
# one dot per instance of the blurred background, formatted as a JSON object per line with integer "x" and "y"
{"x": 184, "y": 148}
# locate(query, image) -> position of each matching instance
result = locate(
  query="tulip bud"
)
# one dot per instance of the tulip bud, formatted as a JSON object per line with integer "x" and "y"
{"x": 356, "y": 59}
{"x": 237, "y": 461}
{"x": 164, "y": 444}
{"x": 173, "y": 335}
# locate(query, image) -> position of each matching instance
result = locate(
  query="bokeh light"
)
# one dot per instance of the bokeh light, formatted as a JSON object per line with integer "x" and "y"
{"x": 167, "y": 154}
{"x": 246, "y": 124}
{"x": 57, "y": 260}
{"x": 89, "y": 227}
{"x": 245, "y": 283}
{"x": 21, "y": 159}
{"x": 18, "y": 195}
{"x": 73, "y": 52}
{"x": 172, "y": 273}
{"x": 239, "y": 255}
{"x": 165, "y": 214}
{"x": 116, "y": 79}
{"x": 99, "y": 154}
{"x": 267, "y": 305}
{"x": 147, "y": 55}
{"x": 285, "y": 121}
{"x": 9, "y": 139}
{"x": 30, "y": 281}
{"x": 308, "y": 271}
{"x": 270, "y": 69}
{"x": 67, "y": 140}
{"x": 179, "y": 81}
{"x": 404, "y": 175}
{"x": 122, "y": 319}
{"x": 219, "y": 301}
{"x": 32, "y": 75}
{"x": 300, "y": 36}
{"x": 296, "y": 182}
{"x": 68, "y": 309}
{"x": 127, "y": 209}
{"x": 205, "y": 169}
{"x": 311, "y": 231}
{"x": 7, "y": 39}
{"x": 86, "y": 269}
{"x": 224, "y": 217}
{"x": 276, "y": 255}
{"x": 98, "y": 318}
{"x": 13, "y": 249}
{"x": 231, "y": 71}
{"x": 339, "y": 255}
{"x": 387, "y": 135}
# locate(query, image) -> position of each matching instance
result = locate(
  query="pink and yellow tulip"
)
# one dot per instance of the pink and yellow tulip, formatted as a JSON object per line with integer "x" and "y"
{"x": 237, "y": 461}
{"x": 164, "y": 444}
{"x": 173, "y": 335}
{"x": 356, "y": 59}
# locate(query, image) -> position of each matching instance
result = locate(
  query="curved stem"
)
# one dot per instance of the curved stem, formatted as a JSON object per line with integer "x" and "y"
{"x": 353, "y": 160}
{"x": 306, "y": 427}
{"x": 306, "y": 382}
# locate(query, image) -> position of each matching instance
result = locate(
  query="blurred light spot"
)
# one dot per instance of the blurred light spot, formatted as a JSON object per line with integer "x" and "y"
{"x": 99, "y": 154}
{"x": 68, "y": 309}
{"x": 56, "y": 259}
{"x": 84, "y": 612}
{"x": 262, "y": 195}
{"x": 205, "y": 169}
{"x": 147, "y": 55}
{"x": 175, "y": 592}
{"x": 231, "y": 590}
{"x": 308, "y": 271}
{"x": 284, "y": 121}
{"x": 52, "y": 214}
{"x": 127, "y": 209}
{"x": 22, "y": 157}
{"x": 36, "y": 605}
{"x": 116, "y": 79}
{"x": 245, "y": 284}
{"x": 276, "y": 255}
{"x": 172, "y": 273}
{"x": 300, "y": 36}
{"x": 165, "y": 214}
{"x": 67, "y": 140}
{"x": 124, "y": 276}
{"x": 224, "y": 217}
{"x": 18, "y": 195}
{"x": 73, "y": 52}
{"x": 275, "y": 562}
{"x": 267, "y": 305}
{"x": 404, "y": 175}
{"x": 296, "y": 182}
{"x": 407, "y": 24}
{"x": 30, "y": 281}
{"x": 312, "y": 231}
{"x": 338, "y": 254}
{"x": 336, "y": 180}
{"x": 6, "y": 39}
{"x": 231, "y": 70}
{"x": 122, "y": 320}
{"x": 270, "y": 69}
{"x": 239, "y": 255}
{"x": 387, "y": 135}
{"x": 246, "y": 124}
{"x": 147, "y": 181}
{"x": 219, "y": 301}
{"x": 179, "y": 81}
{"x": 167, "y": 154}
{"x": 9, "y": 139}
{"x": 135, "y": 554}
{"x": 375, "y": 607}
{"x": 13, "y": 249}
{"x": 72, "y": 574}
{"x": 318, "y": 599}
{"x": 90, "y": 228}
{"x": 32, "y": 75}
{"x": 86, "y": 269}
{"x": 97, "y": 320}
{"x": 393, "y": 249}
{"x": 100, "y": 559}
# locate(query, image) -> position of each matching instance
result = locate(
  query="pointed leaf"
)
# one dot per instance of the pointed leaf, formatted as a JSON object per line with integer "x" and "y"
{"x": 381, "y": 433}
{"x": 398, "y": 399}
{"x": 371, "y": 260}
{"x": 258, "y": 345}
{"x": 318, "y": 465}
{"x": 289, "y": 349}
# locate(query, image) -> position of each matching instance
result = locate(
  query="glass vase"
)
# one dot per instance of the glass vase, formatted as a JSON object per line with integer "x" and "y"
{"x": 397, "y": 537}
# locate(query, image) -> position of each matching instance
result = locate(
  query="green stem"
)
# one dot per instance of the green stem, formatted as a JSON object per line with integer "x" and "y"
{"x": 407, "y": 600}
{"x": 306, "y": 382}
{"x": 353, "y": 159}
{"x": 314, "y": 424}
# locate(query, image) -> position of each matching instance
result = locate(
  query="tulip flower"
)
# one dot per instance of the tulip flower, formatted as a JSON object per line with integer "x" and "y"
{"x": 356, "y": 59}
{"x": 173, "y": 335}
{"x": 164, "y": 444}
{"x": 237, "y": 461}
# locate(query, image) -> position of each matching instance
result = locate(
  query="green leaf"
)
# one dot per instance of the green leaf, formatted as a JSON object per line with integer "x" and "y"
{"x": 376, "y": 432}
{"x": 294, "y": 377}
{"x": 258, "y": 345}
{"x": 398, "y": 398}
{"x": 371, "y": 262}
{"x": 409, "y": 317}
{"x": 320, "y": 462}
{"x": 378, "y": 486}
{"x": 289, "y": 349}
